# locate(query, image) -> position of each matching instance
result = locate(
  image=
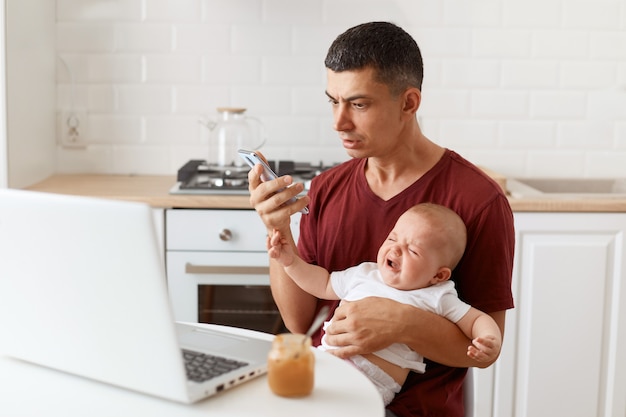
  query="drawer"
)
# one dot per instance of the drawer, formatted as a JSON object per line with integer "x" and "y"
{"x": 217, "y": 230}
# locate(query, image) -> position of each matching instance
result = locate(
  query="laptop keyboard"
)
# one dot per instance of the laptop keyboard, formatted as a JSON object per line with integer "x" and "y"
{"x": 202, "y": 367}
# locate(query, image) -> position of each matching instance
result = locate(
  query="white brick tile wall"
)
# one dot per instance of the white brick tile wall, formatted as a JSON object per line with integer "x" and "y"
{"x": 593, "y": 14}
{"x": 468, "y": 134}
{"x": 587, "y": 75}
{"x": 85, "y": 37}
{"x": 526, "y": 134}
{"x": 231, "y": 70}
{"x": 515, "y": 161}
{"x": 474, "y": 74}
{"x": 499, "y": 104}
{"x": 353, "y": 12}
{"x": 143, "y": 37}
{"x": 530, "y": 74}
{"x": 604, "y": 163}
{"x": 585, "y": 135}
{"x": 620, "y": 136}
{"x": 445, "y": 103}
{"x": 557, "y": 105}
{"x": 183, "y": 130}
{"x": 442, "y": 42}
{"x": 139, "y": 159}
{"x": 112, "y": 69}
{"x": 173, "y": 11}
{"x": 559, "y": 44}
{"x": 307, "y": 101}
{"x": 101, "y": 98}
{"x": 199, "y": 100}
{"x": 231, "y": 11}
{"x": 120, "y": 129}
{"x": 263, "y": 100}
{"x": 166, "y": 69}
{"x": 542, "y": 163}
{"x": 202, "y": 39}
{"x": 291, "y": 70}
{"x": 609, "y": 45}
{"x": 607, "y": 105}
{"x": 533, "y": 88}
{"x": 271, "y": 39}
{"x": 479, "y": 13}
{"x": 144, "y": 99}
{"x": 532, "y": 13}
{"x": 85, "y": 10}
{"x": 94, "y": 158}
{"x": 314, "y": 40}
{"x": 293, "y": 12}
{"x": 501, "y": 43}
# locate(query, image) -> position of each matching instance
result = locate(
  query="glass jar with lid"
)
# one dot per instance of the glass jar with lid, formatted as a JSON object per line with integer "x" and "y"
{"x": 291, "y": 365}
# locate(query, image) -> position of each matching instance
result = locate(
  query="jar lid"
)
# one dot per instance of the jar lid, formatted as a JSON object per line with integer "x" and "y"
{"x": 231, "y": 109}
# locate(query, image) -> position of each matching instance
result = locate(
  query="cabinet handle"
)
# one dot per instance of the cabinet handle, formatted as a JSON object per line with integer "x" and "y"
{"x": 231, "y": 270}
{"x": 226, "y": 235}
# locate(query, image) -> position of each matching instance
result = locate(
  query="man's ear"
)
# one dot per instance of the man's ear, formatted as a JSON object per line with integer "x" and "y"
{"x": 412, "y": 100}
{"x": 443, "y": 274}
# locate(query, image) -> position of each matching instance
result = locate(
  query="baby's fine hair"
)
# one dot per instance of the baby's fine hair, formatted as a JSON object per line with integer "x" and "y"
{"x": 450, "y": 227}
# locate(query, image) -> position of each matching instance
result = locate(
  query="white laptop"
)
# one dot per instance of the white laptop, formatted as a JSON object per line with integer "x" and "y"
{"x": 83, "y": 290}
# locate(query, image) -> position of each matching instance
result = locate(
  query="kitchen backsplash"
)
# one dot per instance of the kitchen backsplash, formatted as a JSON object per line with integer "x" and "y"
{"x": 526, "y": 88}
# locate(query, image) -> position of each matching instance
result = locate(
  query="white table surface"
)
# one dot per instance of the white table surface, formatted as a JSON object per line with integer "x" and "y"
{"x": 31, "y": 390}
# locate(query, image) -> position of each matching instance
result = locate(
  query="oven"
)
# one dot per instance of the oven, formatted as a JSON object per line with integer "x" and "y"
{"x": 218, "y": 269}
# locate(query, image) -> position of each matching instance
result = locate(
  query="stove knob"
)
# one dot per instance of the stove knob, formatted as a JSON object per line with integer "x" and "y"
{"x": 226, "y": 235}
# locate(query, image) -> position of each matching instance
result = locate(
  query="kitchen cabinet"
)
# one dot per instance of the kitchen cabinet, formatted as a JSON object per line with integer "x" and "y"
{"x": 565, "y": 340}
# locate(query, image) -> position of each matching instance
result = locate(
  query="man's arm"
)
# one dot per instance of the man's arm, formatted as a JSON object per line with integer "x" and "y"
{"x": 374, "y": 323}
{"x": 296, "y": 306}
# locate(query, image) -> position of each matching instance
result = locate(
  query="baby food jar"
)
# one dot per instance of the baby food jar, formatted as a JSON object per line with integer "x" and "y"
{"x": 291, "y": 365}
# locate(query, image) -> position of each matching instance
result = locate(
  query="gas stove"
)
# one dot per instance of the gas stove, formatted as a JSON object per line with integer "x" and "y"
{"x": 199, "y": 177}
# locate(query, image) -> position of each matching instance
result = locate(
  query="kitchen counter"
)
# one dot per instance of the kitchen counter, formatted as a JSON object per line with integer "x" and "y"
{"x": 154, "y": 190}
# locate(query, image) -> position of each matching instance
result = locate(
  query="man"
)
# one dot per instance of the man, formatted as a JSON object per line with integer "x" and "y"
{"x": 374, "y": 77}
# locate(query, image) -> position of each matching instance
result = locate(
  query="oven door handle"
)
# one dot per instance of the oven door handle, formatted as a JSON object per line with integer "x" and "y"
{"x": 229, "y": 270}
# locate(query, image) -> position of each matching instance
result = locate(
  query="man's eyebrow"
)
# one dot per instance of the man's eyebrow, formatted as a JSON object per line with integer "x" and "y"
{"x": 351, "y": 98}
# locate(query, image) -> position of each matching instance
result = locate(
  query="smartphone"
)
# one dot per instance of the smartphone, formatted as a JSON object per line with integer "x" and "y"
{"x": 252, "y": 159}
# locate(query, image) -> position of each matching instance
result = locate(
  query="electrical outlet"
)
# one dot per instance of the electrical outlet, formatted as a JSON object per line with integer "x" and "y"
{"x": 74, "y": 129}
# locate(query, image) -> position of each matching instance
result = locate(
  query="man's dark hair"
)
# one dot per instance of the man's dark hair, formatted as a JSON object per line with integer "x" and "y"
{"x": 387, "y": 48}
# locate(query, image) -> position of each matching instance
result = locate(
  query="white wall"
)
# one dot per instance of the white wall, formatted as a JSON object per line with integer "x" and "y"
{"x": 528, "y": 88}
{"x": 30, "y": 91}
{"x": 4, "y": 179}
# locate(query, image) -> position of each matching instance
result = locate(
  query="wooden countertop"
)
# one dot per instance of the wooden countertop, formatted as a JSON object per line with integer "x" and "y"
{"x": 154, "y": 190}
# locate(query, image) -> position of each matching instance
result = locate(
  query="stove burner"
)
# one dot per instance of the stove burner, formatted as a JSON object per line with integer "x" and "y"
{"x": 203, "y": 181}
{"x": 198, "y": 177}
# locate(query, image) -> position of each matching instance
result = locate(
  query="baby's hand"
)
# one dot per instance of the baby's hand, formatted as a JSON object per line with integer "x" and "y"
{"x": 273, "y": 244}
{"x": 484, "y": 349}
{"x": 278, "y": 249}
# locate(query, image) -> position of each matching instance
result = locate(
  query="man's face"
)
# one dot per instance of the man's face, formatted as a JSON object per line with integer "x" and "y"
{"x": 368, "y": 118}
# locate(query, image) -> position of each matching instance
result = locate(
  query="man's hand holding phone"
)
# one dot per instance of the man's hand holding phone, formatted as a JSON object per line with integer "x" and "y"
{"x": 274, "y": 188}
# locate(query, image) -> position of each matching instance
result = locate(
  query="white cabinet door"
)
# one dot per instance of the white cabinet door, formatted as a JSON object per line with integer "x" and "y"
{"x": 569, "y": 325}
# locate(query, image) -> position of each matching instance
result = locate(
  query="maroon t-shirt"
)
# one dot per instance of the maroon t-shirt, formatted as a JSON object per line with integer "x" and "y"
{"x": 348, "y": 222}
